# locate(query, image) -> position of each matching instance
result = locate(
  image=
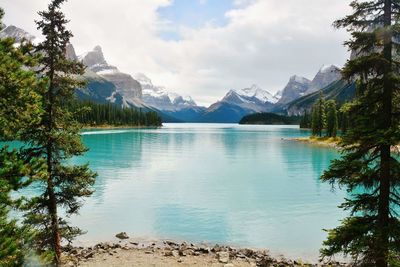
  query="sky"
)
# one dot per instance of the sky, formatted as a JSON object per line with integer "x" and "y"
{"x": 203, "y": 48}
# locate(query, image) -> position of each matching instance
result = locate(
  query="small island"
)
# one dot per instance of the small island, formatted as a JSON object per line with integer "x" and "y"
{"x": 269, "y": 119}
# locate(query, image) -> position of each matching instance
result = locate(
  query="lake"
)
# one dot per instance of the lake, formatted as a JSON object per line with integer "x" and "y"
{"x": 220, "y": 183}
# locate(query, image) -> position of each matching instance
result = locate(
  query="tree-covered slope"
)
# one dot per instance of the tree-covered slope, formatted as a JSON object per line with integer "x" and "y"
{"x": 341, "y": 91}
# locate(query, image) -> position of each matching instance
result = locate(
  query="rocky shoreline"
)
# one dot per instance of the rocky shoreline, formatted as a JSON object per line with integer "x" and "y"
{"x": 127, "y": 252}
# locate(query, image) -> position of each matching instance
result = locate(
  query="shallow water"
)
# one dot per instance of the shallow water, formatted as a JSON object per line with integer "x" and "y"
{"x": 218, "y": 183}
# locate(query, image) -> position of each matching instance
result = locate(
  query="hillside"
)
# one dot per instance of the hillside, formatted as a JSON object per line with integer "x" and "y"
{"x": 341, "y": 91}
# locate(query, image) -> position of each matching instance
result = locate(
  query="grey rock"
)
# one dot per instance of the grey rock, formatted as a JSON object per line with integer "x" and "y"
{"x": 122, "y": 235}
{"x": 223, "y": 257}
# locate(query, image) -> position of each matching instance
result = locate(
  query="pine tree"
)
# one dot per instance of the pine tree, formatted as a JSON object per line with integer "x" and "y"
{"x": 320, "y": 106}
{"x": 314, "y": 120}
{"x": 56, "y": 139}
{"x": 318, "y": 118}
{"x": 20, "y": 109}
{"x": 305, "y": 120}
{"x": 368, "y": 169}
{"x": 331, "y": 119}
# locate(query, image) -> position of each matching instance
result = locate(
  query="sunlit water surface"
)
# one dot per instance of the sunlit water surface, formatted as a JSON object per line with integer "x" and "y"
{"x": 219, "y": 183}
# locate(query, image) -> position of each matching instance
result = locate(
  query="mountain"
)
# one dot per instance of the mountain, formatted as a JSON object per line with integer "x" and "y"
{"x": 18, "y": 34}
{"x": 325, "y": 76}
{"x": 295, "y": 88}
{"x": 126, "y": 86}
{"x": 184, "y": 108}
{"x": 341, "y": 91}
{"x": 238, "y": 103}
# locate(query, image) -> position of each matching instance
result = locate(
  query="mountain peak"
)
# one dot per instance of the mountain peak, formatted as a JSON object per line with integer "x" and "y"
{"x": 255, "y": 92}
{"x": 18, "y": 34}
{"x": 97, "y": 48}
{"x": 299, "y": 79}
{"x": 94, "y": 57}
{"x": 328, "y": 68}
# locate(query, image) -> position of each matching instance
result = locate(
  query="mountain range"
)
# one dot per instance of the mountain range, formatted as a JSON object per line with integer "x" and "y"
{"x": 106, "y": 83}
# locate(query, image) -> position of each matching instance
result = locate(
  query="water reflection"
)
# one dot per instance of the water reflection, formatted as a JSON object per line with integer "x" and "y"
{"x": 243, "y": 185}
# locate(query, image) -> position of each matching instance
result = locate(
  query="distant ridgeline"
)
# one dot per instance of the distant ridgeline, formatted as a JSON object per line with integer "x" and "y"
{"x": 270, "y": 119}
{"x": 92, "y": 114}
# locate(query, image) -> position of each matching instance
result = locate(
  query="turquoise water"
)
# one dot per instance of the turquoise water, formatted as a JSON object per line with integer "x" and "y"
{"x": 218, "y": 183}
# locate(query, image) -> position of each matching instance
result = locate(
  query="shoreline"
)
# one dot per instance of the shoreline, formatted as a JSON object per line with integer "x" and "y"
{"x": 127, "y": 251}
{"x": 108, "y": 127}
{"x": 319, "y": 141}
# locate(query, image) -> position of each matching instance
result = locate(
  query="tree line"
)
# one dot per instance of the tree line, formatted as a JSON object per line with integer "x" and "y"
{"x": 98, "y": 114}
{"x": 326, "y": 116}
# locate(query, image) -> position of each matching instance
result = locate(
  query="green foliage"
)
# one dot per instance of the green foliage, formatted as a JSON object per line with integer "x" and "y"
{"x": 318, "y": 118}
{"x": 331, "y": 119}
{"x": 368, "y": 169}
{"x": 341, "y": 91}
{"x": 55, "y": 138}
{"x": 20, "y": 110}
{"x": 269, "y": 118}
{"x": 92, "y": 114}
{"x": 305, "y": 121}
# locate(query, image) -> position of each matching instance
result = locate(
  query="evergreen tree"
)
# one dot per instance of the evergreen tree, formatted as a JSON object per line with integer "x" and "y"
{"x": 368, "y": 169}
{"x": 305, "y": 120}
{"x": 318, "y": 116}
{"x": 331, "y": 119}
{"x": 20, "y": 110}
{"x": 314, "y": 120}
{"x": 56, "y": 139}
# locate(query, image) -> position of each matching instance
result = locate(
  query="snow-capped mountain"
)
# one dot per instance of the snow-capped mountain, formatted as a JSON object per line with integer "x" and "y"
{"x": 18, "y": 34}
{"x": 238, "y": 103}
{"x": 325, "y": 76}
{"x": 253, "y": 94}
{"x": 160, "y": 98}
{"x": 295, "y": 88}
{"x": 126, "y": 86}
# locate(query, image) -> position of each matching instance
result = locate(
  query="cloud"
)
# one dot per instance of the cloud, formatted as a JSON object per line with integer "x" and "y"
{"x": 263, "y": 42}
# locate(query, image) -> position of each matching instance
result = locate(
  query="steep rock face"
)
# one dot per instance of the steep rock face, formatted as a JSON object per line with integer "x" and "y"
{"x": 295, "y": 88}
{"x": 70, "y": 53}
{"x": 126, "y": 86}
{"x": 16, "y": 33}
{"x": 325, "y": 76}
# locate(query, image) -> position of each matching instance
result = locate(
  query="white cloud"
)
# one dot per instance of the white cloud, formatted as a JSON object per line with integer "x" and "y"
{"x": 264, "y": 42}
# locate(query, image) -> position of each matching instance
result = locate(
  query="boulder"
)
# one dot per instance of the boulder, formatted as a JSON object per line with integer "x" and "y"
{"x": 223, "y": 257}
{"x": 122, "y": 235}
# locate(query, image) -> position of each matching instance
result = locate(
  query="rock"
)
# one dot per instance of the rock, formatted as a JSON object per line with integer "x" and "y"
{"x": 216, "y": 248}
{"x": 223, "y": 257}
{"x": 149, "y": 252}
{"x": 89, "y": 255}
{"x": 168, "y": 253}
{"x": 182, "y": 253}
{"x": 122, "y": 235}
{"x": 229, "y": 265}
{"x": 171, "y": 253}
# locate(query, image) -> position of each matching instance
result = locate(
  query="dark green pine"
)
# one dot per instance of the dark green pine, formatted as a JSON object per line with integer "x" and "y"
{"x": 369, "y": 169}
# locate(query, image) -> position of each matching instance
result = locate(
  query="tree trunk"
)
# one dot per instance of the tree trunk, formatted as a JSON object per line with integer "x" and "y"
{"x": 385, "y": 176}
{"x": 52, "y": 203}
